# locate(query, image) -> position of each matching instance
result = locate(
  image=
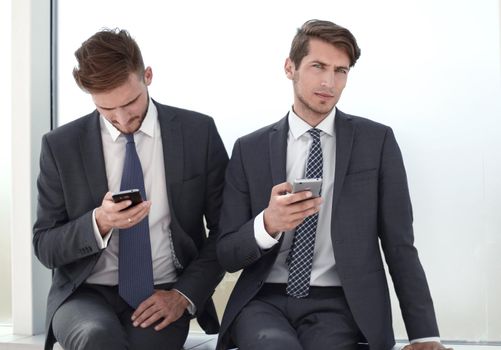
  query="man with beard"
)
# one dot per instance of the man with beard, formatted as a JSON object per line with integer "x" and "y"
{"x": 128, "y": 277}
{"x": 313, "y": 275}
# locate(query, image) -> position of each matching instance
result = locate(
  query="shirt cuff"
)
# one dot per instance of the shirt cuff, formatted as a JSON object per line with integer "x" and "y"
{"x": 102, "y": 242}
{"x": 422, "y": 340}
{"x": 192, "y": 309}
{"x": 263, "y": 239}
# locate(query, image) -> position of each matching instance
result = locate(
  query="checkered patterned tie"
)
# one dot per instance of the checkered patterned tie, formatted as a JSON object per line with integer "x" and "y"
{"x": 135, "y": 269}
{"x": 300, "y": 258}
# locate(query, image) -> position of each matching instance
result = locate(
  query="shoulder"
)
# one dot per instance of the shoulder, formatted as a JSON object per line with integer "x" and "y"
{"x": 363, "y": 127}
{"x": 261, "y": 135}
{"x": 361, "y": 122}
{"x": 70, "y": 132}
{"x": 184, "y": 116}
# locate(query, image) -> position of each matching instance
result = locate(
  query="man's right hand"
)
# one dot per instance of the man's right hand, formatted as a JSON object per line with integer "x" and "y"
{"x": 112, "y": 215}
{"x": 287, "y": 210}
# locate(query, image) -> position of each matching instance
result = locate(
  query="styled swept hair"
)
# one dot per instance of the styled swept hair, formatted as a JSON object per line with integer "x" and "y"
{"x": 326, "y": 31}
{"x": 106, "y": 59}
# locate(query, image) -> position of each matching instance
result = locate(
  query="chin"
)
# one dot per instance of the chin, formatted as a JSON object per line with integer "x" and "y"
{"x": 324, "y": 111}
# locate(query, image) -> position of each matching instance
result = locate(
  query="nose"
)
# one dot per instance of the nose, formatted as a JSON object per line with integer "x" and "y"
{"x": 328, "y": 79}
{"x": 121, "y": 116}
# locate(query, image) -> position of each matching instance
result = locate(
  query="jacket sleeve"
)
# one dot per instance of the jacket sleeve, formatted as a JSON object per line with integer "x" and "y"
{"x": 57, "y": 240}
{"x": 397, "y": 240}
{"x": 237, "y": 247}
{"x": 199, "y": 279}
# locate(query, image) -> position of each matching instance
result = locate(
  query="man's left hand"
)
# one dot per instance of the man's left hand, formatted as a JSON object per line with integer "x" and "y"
{"x": 168, "y": 305}
{"x": 428, "y": 345}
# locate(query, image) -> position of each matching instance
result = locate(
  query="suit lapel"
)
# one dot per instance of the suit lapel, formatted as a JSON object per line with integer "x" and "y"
{"x": 91, "y": 149}
{"x": 172, "y": 144}
{"x": 278, "y": 151}
{"x": 344, "y": 141}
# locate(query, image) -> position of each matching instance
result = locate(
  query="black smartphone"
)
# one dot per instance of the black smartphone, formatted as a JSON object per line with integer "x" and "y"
{"x": 133, "y": 195}
{"x": 314, "y": 185}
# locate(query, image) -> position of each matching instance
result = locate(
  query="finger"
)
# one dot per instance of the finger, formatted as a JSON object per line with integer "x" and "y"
{"x": 132, "y": 216}
{"x": 142, "y": 211}
{"x": 154, "y": 317}
{"x": 119, "y": 206}
{"x": 110, "y": 206}
{"x": 144, "y": 316}
{"x": 298, "y": 197}
{"x": 108, "y": 196}
{"x": 136, "y": 218}
{"x": 309, "y": 212}
{"x": 297, "y": 219}
{"x": 165, "y": 322}
{"x": 281, "y": 189}
{"x": 133, "y": 211}
{"x": 304, "y": 206}
{"x": 142, "y": 307}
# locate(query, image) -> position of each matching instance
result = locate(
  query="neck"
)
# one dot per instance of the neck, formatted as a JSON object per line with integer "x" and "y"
{"x": 311, "y": 118}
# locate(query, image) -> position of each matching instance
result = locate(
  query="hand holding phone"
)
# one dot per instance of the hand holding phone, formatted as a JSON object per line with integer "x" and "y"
{"x": 133, "y": 195}
{"x": 314, "y": 185}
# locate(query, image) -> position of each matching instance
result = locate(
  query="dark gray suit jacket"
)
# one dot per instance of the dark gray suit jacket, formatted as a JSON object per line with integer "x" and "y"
{"x": 371, "y": 204}
{"x": 72, "y": 183}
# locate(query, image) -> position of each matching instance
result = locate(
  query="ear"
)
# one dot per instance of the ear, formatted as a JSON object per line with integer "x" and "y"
{"x": 148, "y": 76}
{"x": 289, "y": 68}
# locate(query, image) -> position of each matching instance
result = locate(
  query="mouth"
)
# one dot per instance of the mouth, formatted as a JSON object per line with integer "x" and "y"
{"x": 324, "y": 95}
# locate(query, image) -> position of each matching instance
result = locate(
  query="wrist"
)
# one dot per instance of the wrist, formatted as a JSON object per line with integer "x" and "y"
{"x": 269, "y": 228}
{"x": 185, "y": 302}
{"x": 102, "y": 227}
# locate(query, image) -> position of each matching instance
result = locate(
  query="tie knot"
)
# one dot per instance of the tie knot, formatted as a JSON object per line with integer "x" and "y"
{"x": 315, "y": 134}
{"x": 129, "y": 137}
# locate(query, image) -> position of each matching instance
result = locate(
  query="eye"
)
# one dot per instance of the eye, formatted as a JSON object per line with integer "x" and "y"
{"x": 342, "y": 70}
{"x": 318, "y": 65}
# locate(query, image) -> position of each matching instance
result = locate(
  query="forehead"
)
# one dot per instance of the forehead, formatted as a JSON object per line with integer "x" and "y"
{"x": 327, "y": 53}
{"x": 120, "y": 95}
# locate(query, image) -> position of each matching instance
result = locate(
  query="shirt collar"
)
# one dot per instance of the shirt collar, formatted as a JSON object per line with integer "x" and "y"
{"x": 298, "y": 126}
{"x": 147, "y": 127}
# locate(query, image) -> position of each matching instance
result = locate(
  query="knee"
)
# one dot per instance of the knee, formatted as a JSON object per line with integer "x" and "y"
{"x": 93, "y": 335}
{"x": 270, "y": 339}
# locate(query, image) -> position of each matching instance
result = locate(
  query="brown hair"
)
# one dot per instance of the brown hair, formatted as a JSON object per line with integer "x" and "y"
{"x": 106, "y": 59}
{"x": 327, "y": 31}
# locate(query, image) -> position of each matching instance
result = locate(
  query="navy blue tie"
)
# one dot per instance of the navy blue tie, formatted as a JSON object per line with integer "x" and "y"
{"x": 300, "y": 257}
{"x": 135, "y": 269}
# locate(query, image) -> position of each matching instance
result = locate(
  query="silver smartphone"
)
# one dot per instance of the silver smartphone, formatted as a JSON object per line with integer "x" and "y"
{"x": 314, "y": 185}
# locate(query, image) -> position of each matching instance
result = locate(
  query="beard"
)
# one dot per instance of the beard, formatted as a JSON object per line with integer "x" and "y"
{"x": 313, "y": 111}
{"x": 322, "y": 108}
{"x": 310, "y": 109}
{"x": 137, "y": 120}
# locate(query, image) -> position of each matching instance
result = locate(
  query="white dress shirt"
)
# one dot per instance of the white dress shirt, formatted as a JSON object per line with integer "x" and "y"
{"x": 298, "y": 147}
{"x": 149, "y": 148}
{"x": 148, "y": 140}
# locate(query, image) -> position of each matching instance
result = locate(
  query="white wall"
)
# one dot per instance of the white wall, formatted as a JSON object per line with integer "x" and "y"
{"x": 429, "y": 68}
{"x": 31, "y": 110}
{"x": 5, "y": 178}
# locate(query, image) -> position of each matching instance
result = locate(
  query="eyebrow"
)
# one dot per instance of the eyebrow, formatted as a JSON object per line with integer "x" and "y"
{"x": 335, "y": 67}
{"x": 318, "y": 62}
{"x": 124, "y": 105}
{"x": 343, "y": 67}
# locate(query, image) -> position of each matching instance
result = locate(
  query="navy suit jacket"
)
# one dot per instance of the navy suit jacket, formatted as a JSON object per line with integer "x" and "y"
{"x": 371, "y": 206}
{"x": 72, "y": 183}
